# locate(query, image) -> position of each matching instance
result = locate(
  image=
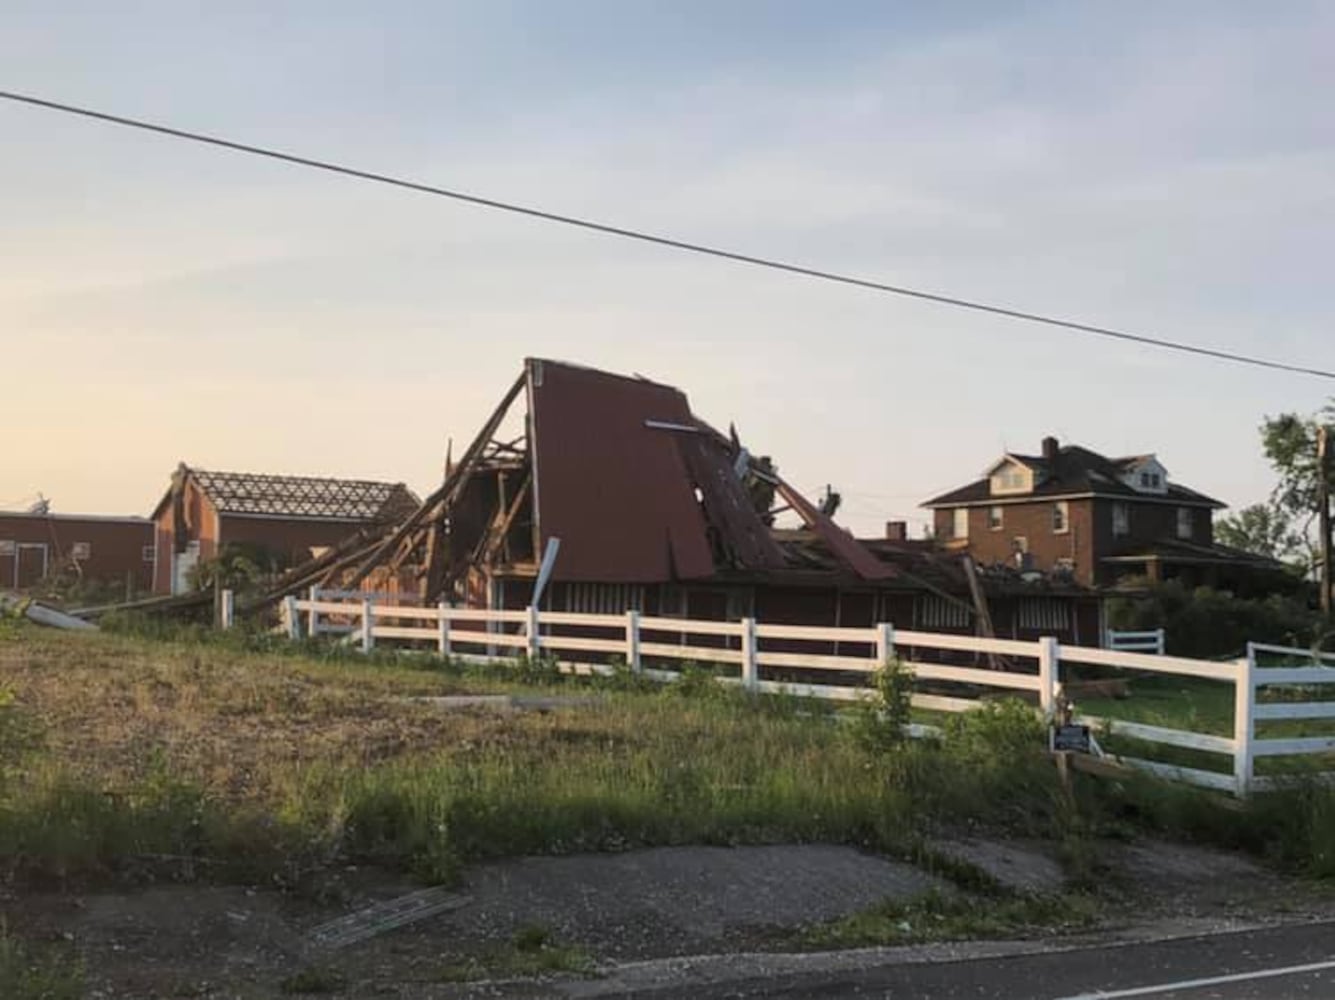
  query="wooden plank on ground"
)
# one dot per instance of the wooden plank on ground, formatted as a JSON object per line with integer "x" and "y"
{"x": 384, "y": 916}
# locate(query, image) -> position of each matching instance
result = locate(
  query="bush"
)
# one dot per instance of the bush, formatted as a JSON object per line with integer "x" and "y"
{"x": 881, "y": 721}
{"x": 1210, "y": 623}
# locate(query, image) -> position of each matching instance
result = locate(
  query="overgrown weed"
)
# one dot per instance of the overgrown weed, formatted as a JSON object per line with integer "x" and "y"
{"x": 243, "y": 764}
{"x": 937, "y": 916}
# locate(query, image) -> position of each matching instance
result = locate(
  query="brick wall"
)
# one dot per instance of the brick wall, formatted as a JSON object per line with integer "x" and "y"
{"x": 1089, "y": 535}
{"x": 1033, "y": 522}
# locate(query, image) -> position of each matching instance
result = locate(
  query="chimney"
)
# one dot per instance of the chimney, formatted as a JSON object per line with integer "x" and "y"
{"x": 1050, "y": 447}
{"x": 897, "y": 531}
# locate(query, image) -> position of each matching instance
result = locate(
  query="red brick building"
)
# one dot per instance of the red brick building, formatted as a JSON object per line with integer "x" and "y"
{"x": 37, "y": 546}
{"x": 284, "y": 519}
{"x": 1071, "y": 511}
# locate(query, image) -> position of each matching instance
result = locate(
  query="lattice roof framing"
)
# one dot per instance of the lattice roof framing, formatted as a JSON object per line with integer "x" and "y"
{"x": 305, "y": 496}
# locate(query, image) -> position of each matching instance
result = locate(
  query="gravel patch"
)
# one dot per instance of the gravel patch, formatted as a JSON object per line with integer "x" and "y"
{"x": 676, "y": 900}
{"x": 1016, "y": 865}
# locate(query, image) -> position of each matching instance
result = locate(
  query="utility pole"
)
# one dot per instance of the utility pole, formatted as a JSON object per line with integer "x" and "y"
{"x": 1323, "y": 514}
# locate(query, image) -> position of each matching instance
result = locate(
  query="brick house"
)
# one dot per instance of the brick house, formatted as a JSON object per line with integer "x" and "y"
{"x": 1073, "y": 512}
{"x": 287, "y": 518}
{"x": 38, "y": 545}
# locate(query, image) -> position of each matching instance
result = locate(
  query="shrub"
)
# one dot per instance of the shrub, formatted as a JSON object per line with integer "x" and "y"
{"x": 1213, "y": 623}
{"x": 880, "y": 721}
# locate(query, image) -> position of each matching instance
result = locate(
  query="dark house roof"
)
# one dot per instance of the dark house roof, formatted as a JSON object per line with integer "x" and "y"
{"x": 1072, "y": 471}
{"x": 1178, "y": 550}
{"x": 306, "y": 497}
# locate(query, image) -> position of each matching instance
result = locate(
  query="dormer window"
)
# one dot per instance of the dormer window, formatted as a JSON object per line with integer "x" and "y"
{"x": 1145, "y": 475}
{"x": 1011, "y": 477}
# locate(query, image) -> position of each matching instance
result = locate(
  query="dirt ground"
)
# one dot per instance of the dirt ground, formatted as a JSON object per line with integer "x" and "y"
{"x": 619, "y": 910}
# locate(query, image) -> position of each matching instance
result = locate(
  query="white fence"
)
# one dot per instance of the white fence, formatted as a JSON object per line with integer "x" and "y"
{"x": 834, "y": 663}
{"x": 1148, "y": 641}
{"x": 1297, "y": 682}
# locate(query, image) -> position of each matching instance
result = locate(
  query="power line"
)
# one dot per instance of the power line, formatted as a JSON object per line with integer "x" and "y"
{"x": 666, "y": 241}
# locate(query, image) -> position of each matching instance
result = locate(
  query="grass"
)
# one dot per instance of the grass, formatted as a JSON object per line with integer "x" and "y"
{"x": 31, "y": 972}
{"x": 231, "y": 760}
{"x": 532, "y": 952}
{"x": 255, "y": 763}
{"x": 936, "y": 916}
{"x": 1204, "y": 706}
{"x": 1201, "y": 706}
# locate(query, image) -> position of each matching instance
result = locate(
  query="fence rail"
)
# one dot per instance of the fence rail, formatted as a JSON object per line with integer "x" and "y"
{"x": 807, "y": 661}
{"x": 1147, "y": 641}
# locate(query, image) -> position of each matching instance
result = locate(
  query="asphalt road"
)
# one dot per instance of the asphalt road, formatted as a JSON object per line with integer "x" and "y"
{"x": 1287, "y": 963}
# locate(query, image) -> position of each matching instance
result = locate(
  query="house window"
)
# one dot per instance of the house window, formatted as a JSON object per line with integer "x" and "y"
{"x": 959, "y": 522}
{"x": 1185, "y": 522}
{"x": 1012, "y": 478}
{"x": 1061, "y": 519}
{"x": 81, "y": 550}
{"x": 7, "y": 547}
{"x": 1121, "y": 520}
{"x": 150, "y": 553}
{"x": 995, "y": 518}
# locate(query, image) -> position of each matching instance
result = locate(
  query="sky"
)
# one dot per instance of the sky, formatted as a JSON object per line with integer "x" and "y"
{"x": 1163, "y": 168}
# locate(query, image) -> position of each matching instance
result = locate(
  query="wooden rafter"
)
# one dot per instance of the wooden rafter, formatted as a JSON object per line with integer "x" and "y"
{"x": 438, "y": 503}
{"x": 496, "y": 536}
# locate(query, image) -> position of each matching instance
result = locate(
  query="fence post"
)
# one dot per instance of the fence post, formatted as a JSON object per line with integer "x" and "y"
{"x": 1161, "y": 635}
{"x": 368, "y": 625}
{"x": 227, "y": 610}
{"x": 885, "y": 643}
{"x": 290, "y": 620}
{"x": 750, "y": 673}
{"x": 633, "y": 640}
{"x": 534, "y": 639}
{"x": 313, "y": 619}
{"x": 1048, "y": 658}
{"x": 443, "y": 629}
{"x": 1244, "y": 700}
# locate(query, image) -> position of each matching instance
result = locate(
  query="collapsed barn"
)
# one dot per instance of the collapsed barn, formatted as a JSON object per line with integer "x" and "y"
{"x": 587, "y": 491}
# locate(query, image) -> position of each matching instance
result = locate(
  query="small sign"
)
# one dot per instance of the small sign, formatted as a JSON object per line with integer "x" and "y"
{"x": 1072, "y": 738}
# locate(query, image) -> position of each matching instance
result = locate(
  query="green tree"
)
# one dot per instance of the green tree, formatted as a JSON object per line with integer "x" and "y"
{"x": 1289, "y": 441}
{"x": 1266, "y": 529}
